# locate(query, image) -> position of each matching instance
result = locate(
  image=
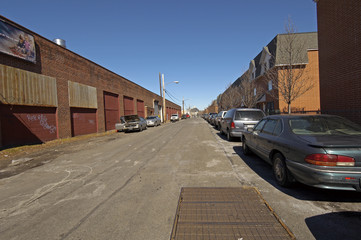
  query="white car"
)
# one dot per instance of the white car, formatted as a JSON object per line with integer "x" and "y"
{"x": 174, "y": 117}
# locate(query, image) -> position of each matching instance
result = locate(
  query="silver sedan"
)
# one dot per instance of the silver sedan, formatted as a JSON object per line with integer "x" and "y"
{"x": 153, "y": 121}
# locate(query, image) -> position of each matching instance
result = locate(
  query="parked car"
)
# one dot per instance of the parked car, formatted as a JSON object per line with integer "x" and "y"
{"x": 211, "y": 116}
{"x": 238, "y": 120}
{"x": 322, "y": 151}
{"x": 153, "y": 121}
{"x": 218, "y": 119}
{"x": 184, "y": 116}
{"x": 134, "y": 122}
{"x": 174, "y": 117}
{"x": 119, "y": 126}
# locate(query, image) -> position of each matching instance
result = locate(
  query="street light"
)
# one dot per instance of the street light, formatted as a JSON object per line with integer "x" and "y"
{"x": 164, "y": 109}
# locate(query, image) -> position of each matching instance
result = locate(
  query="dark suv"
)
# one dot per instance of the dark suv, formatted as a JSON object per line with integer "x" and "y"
{"x": 238, "y": 120}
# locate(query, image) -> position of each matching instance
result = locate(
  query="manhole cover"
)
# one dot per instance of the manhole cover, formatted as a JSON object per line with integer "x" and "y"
{"x": 226, "y": 213}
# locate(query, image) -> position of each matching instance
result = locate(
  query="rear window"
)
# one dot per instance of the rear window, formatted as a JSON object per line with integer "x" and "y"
{"x": 249, "y": 115}
{"x": 318, "y": 125}
{"x": 151, "y": 117}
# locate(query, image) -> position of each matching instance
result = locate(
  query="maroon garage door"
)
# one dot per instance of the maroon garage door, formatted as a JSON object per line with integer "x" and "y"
{"x": 111, "y": 110}
{"x": 140, "y": 108}
{"x": 128, "y": 106}
{"x": 27, "y": 125}
{"x": 83, "y": 121}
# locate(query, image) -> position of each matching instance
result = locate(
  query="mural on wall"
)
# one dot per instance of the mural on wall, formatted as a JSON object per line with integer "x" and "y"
{"x": 17, "y": 43}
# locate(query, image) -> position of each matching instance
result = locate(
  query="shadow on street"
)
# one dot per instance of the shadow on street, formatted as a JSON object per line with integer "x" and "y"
{"x": 336, "y": 225}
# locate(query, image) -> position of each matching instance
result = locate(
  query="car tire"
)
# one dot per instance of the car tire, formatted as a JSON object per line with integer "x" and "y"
{"x": 281, "y": 173}
{"x": 229, "y": 138}
{"x": 245, "y": 149}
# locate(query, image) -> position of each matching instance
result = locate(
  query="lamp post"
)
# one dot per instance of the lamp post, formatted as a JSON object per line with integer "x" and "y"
{"x": 163, "y": 95}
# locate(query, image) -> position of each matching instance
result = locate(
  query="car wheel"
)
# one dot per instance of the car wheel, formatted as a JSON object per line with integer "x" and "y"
{"x": 281, "y": 173}
{"x": 245, "y": 149}
{"x": 229, "y": 138}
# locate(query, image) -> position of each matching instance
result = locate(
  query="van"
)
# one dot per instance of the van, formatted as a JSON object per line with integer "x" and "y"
{"x": 238, "y": 120}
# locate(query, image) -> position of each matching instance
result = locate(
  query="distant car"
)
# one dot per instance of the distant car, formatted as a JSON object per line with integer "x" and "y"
{"x": 174, "y": 118}
{"x": 184, "y": 116}
{"x": 238, "y": 120}
{"x": 219, "y": 118}
{"x": 322, "y": 151}
{"x": 134, "y": 123}
{"x": 153, "y": 121}
{"x": 210, "y": 117}
{"x": 188, "y": 116}
{"x": 120, "y": 125}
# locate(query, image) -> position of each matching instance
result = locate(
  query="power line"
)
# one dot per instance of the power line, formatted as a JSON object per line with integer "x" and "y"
{"x": 171, "y": 96}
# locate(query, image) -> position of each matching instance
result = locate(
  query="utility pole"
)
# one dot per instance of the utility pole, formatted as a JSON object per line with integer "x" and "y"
{"x": 183, "y": 106}
{"x": 160, "y": 84}
{"x": 163, "y": 107}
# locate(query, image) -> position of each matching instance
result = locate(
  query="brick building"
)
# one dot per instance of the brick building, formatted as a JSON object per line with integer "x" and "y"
{"x": 274, "y": 59}
{"x": 340, "y": 69}
{"x": 49, "y": 92}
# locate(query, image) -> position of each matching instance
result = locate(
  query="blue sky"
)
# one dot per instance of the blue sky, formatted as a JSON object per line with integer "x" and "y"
{"x": 203, "y": 44}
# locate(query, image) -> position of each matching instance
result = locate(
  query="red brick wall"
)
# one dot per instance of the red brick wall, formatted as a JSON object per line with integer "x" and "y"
{"x": 55, "y": 61}
{"x": 339, "y": 37}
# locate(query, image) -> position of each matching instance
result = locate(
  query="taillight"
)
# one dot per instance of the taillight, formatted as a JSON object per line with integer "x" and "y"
{"x": 232, "y": 125}
{"x": 330, "y": 160}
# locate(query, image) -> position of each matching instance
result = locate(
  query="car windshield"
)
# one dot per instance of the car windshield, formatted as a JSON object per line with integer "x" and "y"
{"x": 249, "y": 115}
{"x": 318, "y": 125}
{"x": 131, "y": 118}
{"x": 175, "y": 115}
{"x": 152, "y": 117}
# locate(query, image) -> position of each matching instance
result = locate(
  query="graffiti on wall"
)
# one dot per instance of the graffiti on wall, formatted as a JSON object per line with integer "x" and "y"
{"x": 43, "y": 121}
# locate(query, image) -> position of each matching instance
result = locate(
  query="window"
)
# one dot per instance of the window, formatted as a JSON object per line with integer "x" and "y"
{"x": 269, "y": 126}
{"x": 254, "y": 91}
{"x": 269, "y": 85}
{"x": 260, "y": 125}
{"x": 278, "y": 128}
{"x": 249, "y": 115}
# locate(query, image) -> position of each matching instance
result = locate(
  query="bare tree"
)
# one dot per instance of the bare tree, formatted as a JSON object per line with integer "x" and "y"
{"x": 231, "y": 98}
{"x": 288, "y": 77}
{"x": 250, "y": 91}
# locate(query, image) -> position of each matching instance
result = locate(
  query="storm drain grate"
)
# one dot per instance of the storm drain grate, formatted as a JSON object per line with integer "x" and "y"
{"x": 225, "y": 213}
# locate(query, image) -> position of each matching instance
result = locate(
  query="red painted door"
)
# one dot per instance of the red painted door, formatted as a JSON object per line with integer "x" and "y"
{"x": 128, "y": 106}
{"x": 83, "y": 121}
{"x": 140, "y": 108}
{"x": 22, "y": 125}
{"x": 111, "y": 110}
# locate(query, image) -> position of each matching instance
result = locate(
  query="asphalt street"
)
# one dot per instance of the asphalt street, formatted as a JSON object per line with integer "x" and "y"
{"x": 127, "y": 186}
